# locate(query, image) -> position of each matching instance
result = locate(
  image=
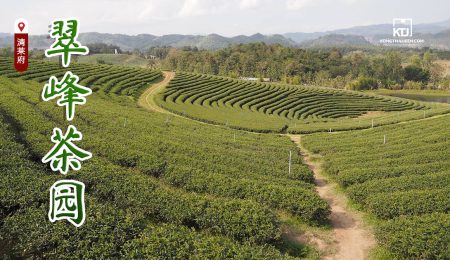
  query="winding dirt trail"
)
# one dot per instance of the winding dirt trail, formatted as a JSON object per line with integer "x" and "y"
{"x": 147, "y": 100}
{"x": 351, "y": 239}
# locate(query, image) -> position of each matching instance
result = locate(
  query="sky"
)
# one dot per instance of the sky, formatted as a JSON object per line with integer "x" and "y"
{"x": 224, "y": 17}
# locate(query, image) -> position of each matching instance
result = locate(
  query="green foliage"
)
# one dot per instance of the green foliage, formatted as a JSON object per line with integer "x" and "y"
{"x": 266, "y": 107}
{"x": 169, "y": 241}
{"x": 95, "y": 48}
{"x": 390, "y": 205}
{"x": 330, "y": 67}
{"x": 143, "y": 176}
{"x": 418, "y": 237}
{"x": 416, "y": 73}
{"x": 363, "y": 83}
{"x": 400, "y": 174}
{"x": 360, "y": 192}
{"x": 108, "y": 79}
{"x": 6, "y": 52}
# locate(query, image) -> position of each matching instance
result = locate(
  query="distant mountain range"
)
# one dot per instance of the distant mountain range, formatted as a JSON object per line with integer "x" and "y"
{"x": 436, "y": 35}
{"x": 145, "y": 41}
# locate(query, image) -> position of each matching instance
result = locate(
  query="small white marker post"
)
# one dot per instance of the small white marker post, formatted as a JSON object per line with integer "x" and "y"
{"x": 290, "y": 158}
{"x": 234, "y": 137}
{"x": 384, "y": 139}
{"x": 424, "y": 114}
{"x": 372, "y": 123}
{"x": 125, "y": 123}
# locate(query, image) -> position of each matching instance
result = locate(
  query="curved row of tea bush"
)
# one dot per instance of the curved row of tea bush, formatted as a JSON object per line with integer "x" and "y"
{"x": 400, "y": 174}
{"x": 128, "y": 145}
{"x": 293, "y": 102}
{"x": 417, "y": 237}
{"x": 106, "y": 78}
{"x": 228, "y": 171}
{"x": 143, "y": 192}
{"x": 116, "y": 215}
{"x": 266, "y": 107}
{"x": 166, "y": 241}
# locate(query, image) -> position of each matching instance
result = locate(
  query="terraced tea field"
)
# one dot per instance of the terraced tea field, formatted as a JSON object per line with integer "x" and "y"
{"x": 278, "y": 108}
{"x": 163, "y": 186}
{"x": 108, "y": 79}
{"x": 403, "y": 182}
{"x": 157, "y": 186}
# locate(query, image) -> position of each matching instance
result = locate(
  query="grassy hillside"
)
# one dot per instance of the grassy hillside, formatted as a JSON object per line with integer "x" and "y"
{"x": 403, "y": 182}
{"x": 157, "y": 186}
{"x": 278, "y": 108}
{"x": 162, "y": 186}
{"x": 115, "y": 59}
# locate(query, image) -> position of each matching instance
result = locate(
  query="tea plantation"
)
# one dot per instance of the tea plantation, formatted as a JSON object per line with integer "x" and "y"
{"x": 157, "y": 186}
{"x": 265, "y": 107}
{"x": 163, "y": 186}
{"x": 118, "y": 80}
{"x": 404, "y": 182}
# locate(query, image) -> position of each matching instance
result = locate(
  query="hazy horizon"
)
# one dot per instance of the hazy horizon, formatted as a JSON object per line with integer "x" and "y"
{"x": 226, "y": 18}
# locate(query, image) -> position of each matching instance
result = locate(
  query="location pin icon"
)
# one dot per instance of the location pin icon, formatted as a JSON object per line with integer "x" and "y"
{"x": 21, "y": 26}
{"x": 21, "y": 45}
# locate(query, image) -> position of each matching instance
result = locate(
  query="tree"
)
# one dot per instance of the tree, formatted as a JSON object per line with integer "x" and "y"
{"x": 416, "y": 73}
{"x": 428, "y": 59}
{"x": 6, "y": 52}
{"x": 363, "y": 83}
{"x": 436, "y": 74}
{"x": 388, "y": 69}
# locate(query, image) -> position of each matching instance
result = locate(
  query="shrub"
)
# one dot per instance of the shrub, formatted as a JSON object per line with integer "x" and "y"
{"x": 419, "y": 237}
{"x": 363, "y": 83}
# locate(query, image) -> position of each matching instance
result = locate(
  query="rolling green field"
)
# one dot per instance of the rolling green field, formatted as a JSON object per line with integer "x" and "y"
{"x": 115, "y": 59}
{"x": 163, "y": 186}
{"x": 279, "y": 108}
{"x": 157, "y": 185}
{"x": 116, "y": 80}
{"x": 404, "y": 183}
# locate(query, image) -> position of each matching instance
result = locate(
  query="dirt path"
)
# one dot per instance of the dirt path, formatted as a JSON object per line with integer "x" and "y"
{"x": 351, "y": 239}
{"x": 147, "y": 98}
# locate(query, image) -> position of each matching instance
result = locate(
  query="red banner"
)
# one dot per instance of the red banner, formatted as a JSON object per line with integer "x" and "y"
{"x": 21, "y": 45}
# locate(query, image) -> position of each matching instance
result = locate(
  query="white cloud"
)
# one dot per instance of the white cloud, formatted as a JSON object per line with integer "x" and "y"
{"x": 203, "y": 7}
{"x": 294, "y": 5}
{"x": 249, "y": 4}
{"x": 228, "y": 17}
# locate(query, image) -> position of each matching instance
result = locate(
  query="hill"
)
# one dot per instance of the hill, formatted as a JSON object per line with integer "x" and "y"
{"x": 284, "y": 108}
{"x": 148, "y": 194}
{"x": 146, "y": 41}
{"x": 370, "y": 31}
{"x": 163, "y": 186}
{"x": 337, "y": 40}
{"x": 128, "y": 81}
{"x": 115, "y": 59}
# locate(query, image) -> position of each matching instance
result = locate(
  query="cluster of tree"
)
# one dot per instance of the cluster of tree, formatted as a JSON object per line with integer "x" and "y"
{"x": 355, "y": 69}
{"x": 96, "y": 48}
